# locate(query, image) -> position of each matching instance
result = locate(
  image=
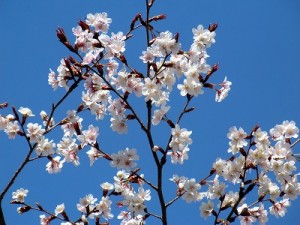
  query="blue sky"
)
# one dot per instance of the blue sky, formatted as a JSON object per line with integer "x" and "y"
{"x": 257, "y": 47}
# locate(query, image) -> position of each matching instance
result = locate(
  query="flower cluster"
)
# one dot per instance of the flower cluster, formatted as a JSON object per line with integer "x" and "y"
{"x": 102, "y": 53}
{"x": 133, "y": 200}
{"x": 124, "y": 159}
{"x": 179, "y": 144}
{"x": 259, "y": 161}
{"x": 267, "y": 161}
{"x": 90, "y": 208}
{"x": 188, "y": 188}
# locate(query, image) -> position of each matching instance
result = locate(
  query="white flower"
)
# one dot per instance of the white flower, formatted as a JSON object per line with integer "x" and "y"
{"x": 55, "y": 165}
{"x": 25, "y": 112}
{"x": 19, "y": 195}
{"x": 69, "y": 149}
{"x": 44, "y": 220}
{"x": 159, "y": 114}
{"x": 12, "y": 129}
{"x": 191, "y": 87}
{"x": 90, "y": 56}
{"x": 93, "y": 155}
{"x": 59, "y": 209}
{"x": 118, "y": 125}
{"x": 191, "y": 188}
{"x": 206, "y": 209}
{"x": 124, "y": 159}
{"x": 291, "y": 131}
{"x": 237, "y": 137}
{"x": 261, "y": 138}
{"x": 148, "y": 55}
{"x": 107, "y": 186}
{"x": 99, "y": 20}
{"x": 89, "y": 136}
{"x": 166, "y": 44}
{"x": 203, "y": 37}
{"x": 104, "y": 208}
{"x": 35, "y": 132}
{"x": 144, "y": 194}
{"x": 279, "y": 208}
{"x": 45, "y": 147}
{"x": 87, "y": 200}
{"x": 223, "y": 92}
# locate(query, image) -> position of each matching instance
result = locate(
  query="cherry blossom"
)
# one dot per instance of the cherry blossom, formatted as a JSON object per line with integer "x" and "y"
{"x": 25, "y": 112}
{"x": 124, "y": 159}
{"x": 35, "y": 132}
{"x": 55, "y": 165}
{"x": 104, "y": 208}
{"x": 223, "y": 92}
{"x": 237, "y": 137}
{"x": 45, "y": 147}
{"x": 59, "y": 209}
{"x": 206, "y": 209}
{"x": 93, "y": 155}
{"x": 12, "y": 129}
{"x": 203, "y": 37}
{"x": 260, "y": 162}
{"x": 99, "y": 21}
{"x": 19, "y": 195}
{"x": 279, "y": 208}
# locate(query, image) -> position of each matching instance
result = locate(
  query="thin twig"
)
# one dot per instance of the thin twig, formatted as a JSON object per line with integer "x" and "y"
{"x": 147, "y": 182}
{"x": 174, "y": 199}
{"x": 296, "y": 142}
{"x": 54, "y": 107}
{"x": 154, "y": 215}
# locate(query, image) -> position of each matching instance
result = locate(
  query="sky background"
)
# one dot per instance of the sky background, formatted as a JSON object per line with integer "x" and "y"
{"x": 257, "y": 48}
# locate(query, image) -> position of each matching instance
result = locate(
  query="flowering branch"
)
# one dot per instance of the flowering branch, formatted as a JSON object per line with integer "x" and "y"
{"x": 18, "y": 171}
{"x": 108, "y": 91}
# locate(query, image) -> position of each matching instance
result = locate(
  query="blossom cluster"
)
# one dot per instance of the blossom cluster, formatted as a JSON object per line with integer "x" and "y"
{"x": 101, "y": 56}
{"x": 90, "y": 208}
{"x": 134, "y": 201}
{"x": 188, "y": 188}
{"x": 269, "y": 167}
{"x": 179, "y": 144}
{"x": 74, "y": 139}
{"x": 260, "y": 160}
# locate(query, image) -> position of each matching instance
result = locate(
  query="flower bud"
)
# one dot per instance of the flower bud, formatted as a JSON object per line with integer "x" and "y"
{"x": 123, "y": 59}
{"x": 83, "y": 25}
{"x": 60, "y": 33}
{"x": 23, "y": 209}
{"x": 213, "y": 69}
{"x": 212, "y": 27}
{"x": 130, "y": 117}
{"x": 176, "y": 37}
{"x": 158, "y": 17}
{"x": 189, "y": 110}
{"x": 171, "y": 124}
{"x": 137, "y": 16}
{"x": 80, "y": 107}
{"x": 3, "y": 105}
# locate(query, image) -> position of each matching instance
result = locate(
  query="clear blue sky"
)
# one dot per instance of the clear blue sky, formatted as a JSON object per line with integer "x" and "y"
{"x": 257, "y": 47}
